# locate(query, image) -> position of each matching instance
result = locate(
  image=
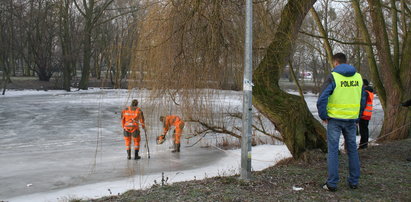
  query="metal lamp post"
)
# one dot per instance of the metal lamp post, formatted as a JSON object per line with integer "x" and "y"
{"x": 247, "y": 94}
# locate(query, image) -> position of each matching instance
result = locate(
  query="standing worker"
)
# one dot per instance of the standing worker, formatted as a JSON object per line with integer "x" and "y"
{"x": 366, "y": 115}
{"x": 168, "y": 122}
{"x": 131, "y": 117}
{"x": 339, "y": 106}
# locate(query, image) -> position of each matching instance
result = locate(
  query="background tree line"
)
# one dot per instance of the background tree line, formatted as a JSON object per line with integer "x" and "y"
{"x": 68, "y": 40}
{"x": 77, "y": 41}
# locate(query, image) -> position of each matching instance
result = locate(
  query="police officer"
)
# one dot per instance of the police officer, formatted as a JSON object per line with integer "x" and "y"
{"x": 339, "y": 106}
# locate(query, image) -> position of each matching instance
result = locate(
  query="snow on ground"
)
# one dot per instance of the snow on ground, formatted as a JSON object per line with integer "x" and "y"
{"x": 18, "y": 93}
{"x": 58, "y": 145}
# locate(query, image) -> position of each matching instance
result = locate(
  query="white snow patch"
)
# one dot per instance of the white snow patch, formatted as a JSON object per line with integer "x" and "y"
{"x": 18, "y": 93}
{"x": 297, "y": 188}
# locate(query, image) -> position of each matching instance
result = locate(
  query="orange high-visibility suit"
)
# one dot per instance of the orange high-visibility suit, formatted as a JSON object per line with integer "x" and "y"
{"x": 175, "y": 121}
{"x": 366, "y": 115}
{"x": 131, "y": 117}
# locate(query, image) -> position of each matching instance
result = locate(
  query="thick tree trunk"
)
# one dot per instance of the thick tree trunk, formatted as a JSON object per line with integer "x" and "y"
{"x": 67, "y": 75}
{"x": 93, "y": 10}
{"x": 89, "y": 16}
{"x": 85, "y": 73}
{"x": 372, "y": 63}
{"x": 66, "y": 41}
{"x": 397, "y": 121}
{"x": 395, "y": 75}
{"x": 6, "y": 77}
{"x": 4, "y": 87}
{"x": 6, "y": 80}
{"x": 43, "y": 74}
{"x": 289, "y": 113}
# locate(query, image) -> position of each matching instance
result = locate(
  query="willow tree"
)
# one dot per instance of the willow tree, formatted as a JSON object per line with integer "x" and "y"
{"x": 185, "y": 49}
{"x": 289, "y": 113}
{"x": 187, "y": 45}
{"x": 392, "y": 78}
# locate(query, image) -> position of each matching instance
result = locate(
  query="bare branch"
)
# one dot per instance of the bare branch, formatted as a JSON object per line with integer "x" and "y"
{"x": 216, "y": 129}
{"x": 336, "y": 40}
{"x": 78, "y": 8}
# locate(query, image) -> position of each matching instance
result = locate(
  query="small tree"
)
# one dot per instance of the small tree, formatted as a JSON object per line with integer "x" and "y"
{"x": 66, "y": 41}
{"x": 91, "y": 11}
{"x": 41, "y": 35}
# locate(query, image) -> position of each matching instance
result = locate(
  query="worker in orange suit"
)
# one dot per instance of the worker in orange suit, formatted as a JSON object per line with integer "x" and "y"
{"x": 168, "y": 122}
{"x": 131, "y": 118}
{"x": 366, "y": 115}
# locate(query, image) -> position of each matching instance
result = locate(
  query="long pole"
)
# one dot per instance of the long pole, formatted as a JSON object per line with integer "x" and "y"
{"x": 148, "y": 149}
{"x": 247, "y": 94}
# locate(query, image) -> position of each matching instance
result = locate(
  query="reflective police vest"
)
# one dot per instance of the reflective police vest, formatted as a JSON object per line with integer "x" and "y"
{"x": 366, "y": 115}
{"x": 345, "y": 101}
{"x": 130, "y": 119}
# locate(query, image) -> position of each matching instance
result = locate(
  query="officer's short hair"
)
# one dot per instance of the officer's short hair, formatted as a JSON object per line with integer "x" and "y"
{"x": 340, "y": 58}
{"x": 134, "y": 103}
{"x": 365, "y": 82}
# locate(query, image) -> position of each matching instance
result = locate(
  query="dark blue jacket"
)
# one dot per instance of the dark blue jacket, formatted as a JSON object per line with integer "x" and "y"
{"x": 328, "y": 89}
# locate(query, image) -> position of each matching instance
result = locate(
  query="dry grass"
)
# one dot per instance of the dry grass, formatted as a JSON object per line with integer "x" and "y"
{"x": 386, "y": 176}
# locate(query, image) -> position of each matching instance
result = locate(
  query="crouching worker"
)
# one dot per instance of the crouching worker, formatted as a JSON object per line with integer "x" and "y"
{"x": 168, "y": 122}
{"x": 131, "y": 118}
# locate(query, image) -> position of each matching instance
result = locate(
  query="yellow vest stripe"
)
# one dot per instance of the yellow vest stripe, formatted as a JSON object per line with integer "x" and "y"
{"x": 344, "y": 105}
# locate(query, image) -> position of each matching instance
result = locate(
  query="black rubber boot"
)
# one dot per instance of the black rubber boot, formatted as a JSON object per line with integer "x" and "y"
{"x": 136, "y": 156}
{"x": 176, "y": 148}
{"x": 128, "y": 154}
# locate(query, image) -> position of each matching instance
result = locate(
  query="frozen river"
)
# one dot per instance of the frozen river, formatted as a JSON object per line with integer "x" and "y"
{"x": 60, "y": 140}
{"x": 56, "y": 144}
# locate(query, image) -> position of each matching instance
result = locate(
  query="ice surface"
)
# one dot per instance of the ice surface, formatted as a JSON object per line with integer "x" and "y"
{"x": 70, "y": 145}
{"x": 228, "y": 164}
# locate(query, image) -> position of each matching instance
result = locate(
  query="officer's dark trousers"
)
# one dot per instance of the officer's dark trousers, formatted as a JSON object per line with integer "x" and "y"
{"x": 364, "y": 133}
